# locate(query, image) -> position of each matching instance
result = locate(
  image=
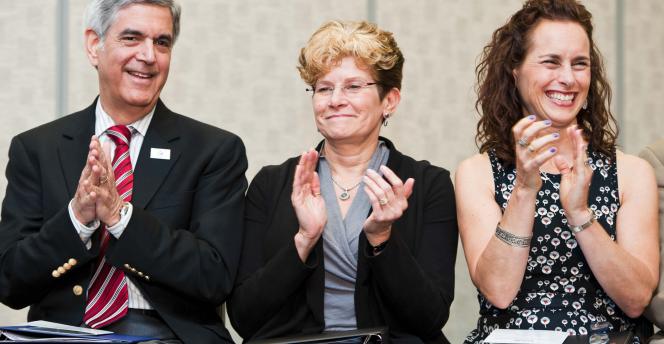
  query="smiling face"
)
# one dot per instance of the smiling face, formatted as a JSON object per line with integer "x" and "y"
{"x": 134, "y": 60}
{"x": 354, "y": 115}
{"x": 554, "y": 77}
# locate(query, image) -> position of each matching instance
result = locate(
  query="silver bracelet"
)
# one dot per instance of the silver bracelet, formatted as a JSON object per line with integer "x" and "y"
{"x": 511, "y": 239}
{"x": 579, "y": 228}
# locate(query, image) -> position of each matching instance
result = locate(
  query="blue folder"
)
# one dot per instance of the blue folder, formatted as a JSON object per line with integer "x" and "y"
{"x": 41, "y": 334}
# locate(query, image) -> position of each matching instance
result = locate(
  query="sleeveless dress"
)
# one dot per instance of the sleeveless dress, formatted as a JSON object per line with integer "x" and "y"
{"x": 558, "y": 291}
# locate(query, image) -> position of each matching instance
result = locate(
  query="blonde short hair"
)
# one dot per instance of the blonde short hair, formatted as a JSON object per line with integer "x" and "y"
{"x": 368, "y": 44}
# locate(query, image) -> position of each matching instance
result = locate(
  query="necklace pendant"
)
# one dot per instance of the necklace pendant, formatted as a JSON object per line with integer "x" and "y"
{"x": 345, "y": 192}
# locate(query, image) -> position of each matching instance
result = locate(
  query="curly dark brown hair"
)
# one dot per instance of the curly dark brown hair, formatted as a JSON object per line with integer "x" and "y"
{"x": 498, "y": 101}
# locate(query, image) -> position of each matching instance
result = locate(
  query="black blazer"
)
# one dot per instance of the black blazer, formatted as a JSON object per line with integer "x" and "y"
{"x": 409, "y": 287}
{"x": 181, "y": 246}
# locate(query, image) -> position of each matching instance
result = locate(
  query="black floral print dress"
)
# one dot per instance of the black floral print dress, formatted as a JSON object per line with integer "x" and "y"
{"x": 559, "y": 291}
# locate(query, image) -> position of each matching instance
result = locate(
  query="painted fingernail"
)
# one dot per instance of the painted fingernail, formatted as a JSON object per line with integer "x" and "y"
{"x": 531, "y": 117}
{"x": 552, "y": 149}
{"x": 547, "y": 122}
{"x": 556, "y": 135}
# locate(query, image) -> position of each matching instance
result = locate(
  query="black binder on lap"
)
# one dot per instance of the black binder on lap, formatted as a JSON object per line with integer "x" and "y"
{"x": 364, "y": 336}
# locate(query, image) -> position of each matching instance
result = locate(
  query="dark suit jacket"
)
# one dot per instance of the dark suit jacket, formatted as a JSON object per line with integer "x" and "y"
{"x": 408, "y": 287}
{"x": 184, "y": 236}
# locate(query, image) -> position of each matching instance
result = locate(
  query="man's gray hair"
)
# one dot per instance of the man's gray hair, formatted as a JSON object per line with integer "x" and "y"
{"x": 100, "y": 14}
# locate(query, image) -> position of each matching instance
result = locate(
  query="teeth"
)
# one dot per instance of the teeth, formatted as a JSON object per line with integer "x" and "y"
{"x": 140, "y": 75}
{"x": 560, "y": 96}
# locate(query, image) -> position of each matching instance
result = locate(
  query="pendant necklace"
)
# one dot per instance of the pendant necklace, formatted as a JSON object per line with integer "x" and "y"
{"x": 345, "y": 192}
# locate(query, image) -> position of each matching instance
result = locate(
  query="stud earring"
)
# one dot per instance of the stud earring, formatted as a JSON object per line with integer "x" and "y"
{"x": 585, "y": 104}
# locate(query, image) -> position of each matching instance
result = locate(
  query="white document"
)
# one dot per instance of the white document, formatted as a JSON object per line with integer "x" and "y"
{"x": 502, "y": 336}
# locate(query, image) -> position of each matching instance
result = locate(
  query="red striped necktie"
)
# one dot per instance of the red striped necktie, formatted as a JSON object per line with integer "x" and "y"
{"x": 108, "y": 296}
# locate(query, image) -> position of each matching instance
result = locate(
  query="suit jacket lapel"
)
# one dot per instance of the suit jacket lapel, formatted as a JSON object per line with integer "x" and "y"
{"x": 73, "y": 148}
{"x": 149, "y": 173}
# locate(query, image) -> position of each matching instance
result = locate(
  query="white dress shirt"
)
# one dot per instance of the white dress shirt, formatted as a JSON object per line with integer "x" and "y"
{"x": 138, "y": 131}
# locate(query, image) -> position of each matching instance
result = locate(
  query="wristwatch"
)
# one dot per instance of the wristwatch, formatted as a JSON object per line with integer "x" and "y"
{"x": 375, "y": 250}
{"x": 579, "y": 228}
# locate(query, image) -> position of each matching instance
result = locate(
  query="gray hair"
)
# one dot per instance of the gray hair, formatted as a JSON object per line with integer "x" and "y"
{"x": 100, "y": 14}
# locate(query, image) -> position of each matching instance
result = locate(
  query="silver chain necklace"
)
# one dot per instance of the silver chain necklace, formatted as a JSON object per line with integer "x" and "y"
{"x": 345, "y": 192}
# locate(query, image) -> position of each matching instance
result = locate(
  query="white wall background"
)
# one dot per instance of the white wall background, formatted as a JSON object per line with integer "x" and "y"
{"x": 234, "y": 67}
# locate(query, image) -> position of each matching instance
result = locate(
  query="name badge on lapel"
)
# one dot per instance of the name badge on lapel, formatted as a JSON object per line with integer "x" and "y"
{"x": 160, "y": 153}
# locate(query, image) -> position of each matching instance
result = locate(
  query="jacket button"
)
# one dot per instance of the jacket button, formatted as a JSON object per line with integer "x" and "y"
{"x": 55, "y": 273}
{"x": 78, "y": 290}
{"x": 61, "y": 270}
{"x": 67, "y": 266}
{"x": 127, "y": 266}
{"x": 72, "y": 261}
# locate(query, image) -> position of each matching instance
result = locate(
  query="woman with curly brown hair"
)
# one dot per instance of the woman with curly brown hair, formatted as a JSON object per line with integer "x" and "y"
{"x": 559, "y": 228}
{"x": 353, "y": 234}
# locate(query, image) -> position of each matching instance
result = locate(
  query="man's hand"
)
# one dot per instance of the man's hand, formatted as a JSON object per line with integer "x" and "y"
{"x": 84, "y": 202}
{"x": 107, "y": 201}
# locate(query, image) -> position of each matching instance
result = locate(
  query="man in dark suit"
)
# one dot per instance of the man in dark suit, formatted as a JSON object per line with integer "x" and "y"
{"x": 138, "y": 228}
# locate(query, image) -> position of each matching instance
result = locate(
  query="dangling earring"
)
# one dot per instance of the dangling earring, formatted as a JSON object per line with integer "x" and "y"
{"x": 385, "y": 117}
{"x": 585, "y": 104}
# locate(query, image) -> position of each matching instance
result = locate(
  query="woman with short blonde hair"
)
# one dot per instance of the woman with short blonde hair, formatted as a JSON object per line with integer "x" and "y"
{"x": 352, "y": 234}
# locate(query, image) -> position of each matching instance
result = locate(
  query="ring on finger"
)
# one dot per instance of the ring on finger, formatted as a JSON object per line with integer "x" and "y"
{"x": 530, "y": 148}
{"x": 523, "y": 142}
{"x": 103, "y": 179}
{"x": 587, "y": 162}
{"x": 383, "y": 201}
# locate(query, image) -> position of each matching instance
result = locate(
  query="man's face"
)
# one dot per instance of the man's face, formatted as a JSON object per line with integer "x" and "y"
{"x": 134, "y": 60}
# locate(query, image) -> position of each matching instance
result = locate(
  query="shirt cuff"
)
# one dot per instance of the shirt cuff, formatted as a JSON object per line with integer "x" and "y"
{"x": 84, "y": 231}
{"x": 125, "y": 215}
